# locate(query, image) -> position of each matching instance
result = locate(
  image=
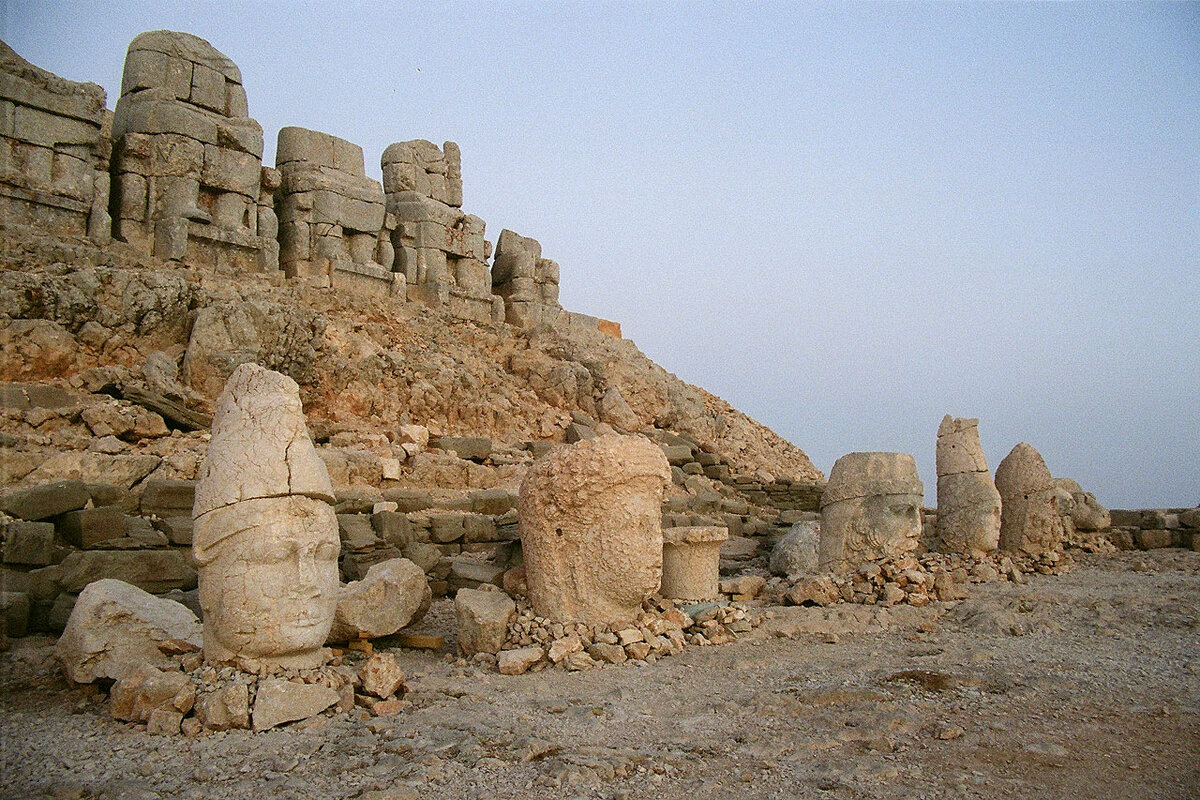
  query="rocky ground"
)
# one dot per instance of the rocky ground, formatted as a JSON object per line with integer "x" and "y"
{"x": 1079, "y": 685}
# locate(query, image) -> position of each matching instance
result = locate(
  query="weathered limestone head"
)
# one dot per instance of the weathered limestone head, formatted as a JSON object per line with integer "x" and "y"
{"x": 1031, "y": 521}
{"x": 266, "y": 537}
{"x": 870, "y": 510}
{"x": 590, "y": 517}
{"x": 968, "y": 519}
{"x": 1086, "y": 513}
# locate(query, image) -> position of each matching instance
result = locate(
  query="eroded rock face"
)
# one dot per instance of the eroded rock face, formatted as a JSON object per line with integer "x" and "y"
{"x": 265, "y": 537}
{"x": 393, "y": 594}
{"x": 1031, "y": 521}
{"x": 591, "y": 528}
{"x": 870, "y": 510}
{"x": 796, "y": 552}
{"x": 1086, "y": 513}
{"x": 968, "y": 520}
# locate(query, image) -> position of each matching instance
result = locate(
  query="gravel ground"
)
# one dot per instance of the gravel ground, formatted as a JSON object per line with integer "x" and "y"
{"x": 1081, "y": 685}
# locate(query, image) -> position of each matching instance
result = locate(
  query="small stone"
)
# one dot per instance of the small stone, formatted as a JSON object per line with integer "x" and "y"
{"x": 561, "y": 648}
{"x": 278, "y": 701}
{"x": 483, "y": 618}
{"x": 419, "y": 641}
{"x": 517, "y": 662}
{"x": 382, "y": 676}
{"x": 951, "y": 732}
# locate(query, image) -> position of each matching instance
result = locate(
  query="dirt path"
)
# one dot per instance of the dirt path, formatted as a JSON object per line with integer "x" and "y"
{"x": 1078, "y": 686}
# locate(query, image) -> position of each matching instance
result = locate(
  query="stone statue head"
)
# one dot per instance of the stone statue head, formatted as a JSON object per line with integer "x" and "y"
{"x": 870, "y": 510}
{"x": 270, "y": 570}
{"x": 265, "y": 537}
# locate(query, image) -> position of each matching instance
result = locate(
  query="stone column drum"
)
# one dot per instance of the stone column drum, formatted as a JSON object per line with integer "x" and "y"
{"x": 692, "y": 562}
{"x": 870, "y": 510}
{"x": 968, "y": 510}
{"x": 590, "y": 517}
{"x": 266, "y": 537}
{"x": 1030, "y": 521}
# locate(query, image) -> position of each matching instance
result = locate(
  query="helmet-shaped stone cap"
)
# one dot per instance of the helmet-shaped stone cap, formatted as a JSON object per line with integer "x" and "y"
{"x": 870, "y": 474}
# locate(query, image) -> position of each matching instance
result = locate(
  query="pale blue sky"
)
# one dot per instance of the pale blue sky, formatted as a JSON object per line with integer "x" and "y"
{"x": 845, "y": 219}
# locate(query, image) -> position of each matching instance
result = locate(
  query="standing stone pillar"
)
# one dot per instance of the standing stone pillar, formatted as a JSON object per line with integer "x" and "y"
{"x": 266, "y": 537}
{"x": 870, "y": 510}
{"x": 590, "y": 517}
{"x": 968, "y": 505}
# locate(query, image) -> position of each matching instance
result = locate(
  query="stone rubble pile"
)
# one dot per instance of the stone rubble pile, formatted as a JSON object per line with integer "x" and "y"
{"x": 663, "y": 628}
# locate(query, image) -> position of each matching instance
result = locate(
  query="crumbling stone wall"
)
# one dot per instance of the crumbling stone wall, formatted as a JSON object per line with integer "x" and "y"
{"x": 333, "y": 227}
{"x": 187, "y": 158}
{"x": 440, "y": 250}
{"x": 54, "y": 151}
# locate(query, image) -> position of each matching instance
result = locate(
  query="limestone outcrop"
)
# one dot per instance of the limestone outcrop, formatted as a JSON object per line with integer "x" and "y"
{"x": 1030, "y": 521}
{"x": 871, "y": 510}
{"x": 968, "y": 504}
{"x": 265, "y": 538}
{"x": 591, "y": 530}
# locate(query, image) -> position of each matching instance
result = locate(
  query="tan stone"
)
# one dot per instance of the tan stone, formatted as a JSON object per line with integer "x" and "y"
{"x": 691, "y": 562}
{"x": 870, "y": 510}
{"x": 265, "y": 538}
{"x": 483, "y": 618}
{"x": 225, "y": 708}
{"x": 278, "y": 701}
{"x": 145, "y": 689}
{"x": 518, "y": 662}
{"x": 394, "y": 593}
{"x": 796, "y": 552}
{"x": 968, "y": 520}
{"x": 1086, "y": 514}
{"x": 115, "y": 627}
{"x": 1030, "y": 521}
{"x": 590, "y": 517}
{"x": 381, "y": 676}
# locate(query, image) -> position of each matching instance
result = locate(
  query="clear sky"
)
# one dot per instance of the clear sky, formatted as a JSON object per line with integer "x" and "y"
{"x": 845, "y": 219}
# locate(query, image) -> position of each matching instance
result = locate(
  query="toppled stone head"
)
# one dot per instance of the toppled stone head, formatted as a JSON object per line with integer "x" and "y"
{"x": 591, "y": 529}
{"x": 266, "y": 537}
{"x": 871, "y": 509}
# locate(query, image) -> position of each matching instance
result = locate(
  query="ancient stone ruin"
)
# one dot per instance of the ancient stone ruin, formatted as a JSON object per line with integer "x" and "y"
{"x": 266, "y": 538}
{"x": 187, "y": 158}
{"x": 1030, "y": 521}
{"x": 870, "y": 510}
{"x": 591, "y": 529}
{"x": 968, "y": 505}
{"x": 55, "y": 154}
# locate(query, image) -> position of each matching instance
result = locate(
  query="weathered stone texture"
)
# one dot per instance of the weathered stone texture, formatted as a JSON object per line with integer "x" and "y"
{"x": 527, "y": 282}
{"x": 1030, "y": 521}
{"x": 692, "y": 561}
{"x": 871, "y": 510}
{"x": 333, "y": 230}
{"x": 187, "y": 157}
{"x": 590, "y": 519}
{"x": 54, "y": 151}
{"x": 266, "y": 538}
{"x": 483, "y": 618}
{"x": 393, "y": 594}
{"x": 968, "y": 519}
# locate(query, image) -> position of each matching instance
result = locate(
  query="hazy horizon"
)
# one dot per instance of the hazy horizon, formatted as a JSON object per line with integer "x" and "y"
{"x": 847, "y": 220}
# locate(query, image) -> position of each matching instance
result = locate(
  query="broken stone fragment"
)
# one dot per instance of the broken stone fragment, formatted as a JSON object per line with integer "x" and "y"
{"x": 483, "y": 618}
{"x": 278, "y": 701}
{"x": 381, "y": 676}
{"x": 393, "y": 594}
{"x": 115, "y": 628}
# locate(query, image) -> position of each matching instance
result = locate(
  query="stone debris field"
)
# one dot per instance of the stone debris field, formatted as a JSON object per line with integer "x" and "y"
{"x": 301, "y": 497}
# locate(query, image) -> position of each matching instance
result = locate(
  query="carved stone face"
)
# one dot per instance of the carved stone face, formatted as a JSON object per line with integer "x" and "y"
{"x": 269, "y": 592}
{"x": 869, "y": 528}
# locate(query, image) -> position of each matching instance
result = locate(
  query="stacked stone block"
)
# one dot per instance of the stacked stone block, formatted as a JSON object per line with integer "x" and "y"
{"x": 333, "y": 227}
{"x": 440, "y": 250}
{"x": 187, "y": 158}
{"x": 527, "y": 282}
{"x": 54, "y": 151}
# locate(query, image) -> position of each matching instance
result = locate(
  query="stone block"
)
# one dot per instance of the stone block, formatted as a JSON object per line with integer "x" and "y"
{"x": 479, "y": 528}
{"x": 46, "y": 500}
{"x": 446, "y": 528}
{"x": 14, "y": 611}
{"x": 52, "y": 130}
{"x": 471, "y": 448}
{"x": 166, "y": 498}
{"x": 154, "y": 571}
{"x": 30, "y": 543}
{"x": 1153, "y": 539}
{"x": 149, "y": 69}
{"x": 278, "y": 701}
{"x": 208, "y": 89}
{"x": 89, "y": 527}
{"x": 231, "y": 170}
{"x": 151, "y": 113}
{"x": 356, "y": 531}
{"x": 392, "y": 527}
{"x": 493, "y": 501}
{"x": 483, "y": 618}
{"x": 393, "y": 594}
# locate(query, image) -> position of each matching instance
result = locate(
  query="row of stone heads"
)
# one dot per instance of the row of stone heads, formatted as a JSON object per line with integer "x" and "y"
{"x": 872, "y": 506}
{"x": 177, "y": 172}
